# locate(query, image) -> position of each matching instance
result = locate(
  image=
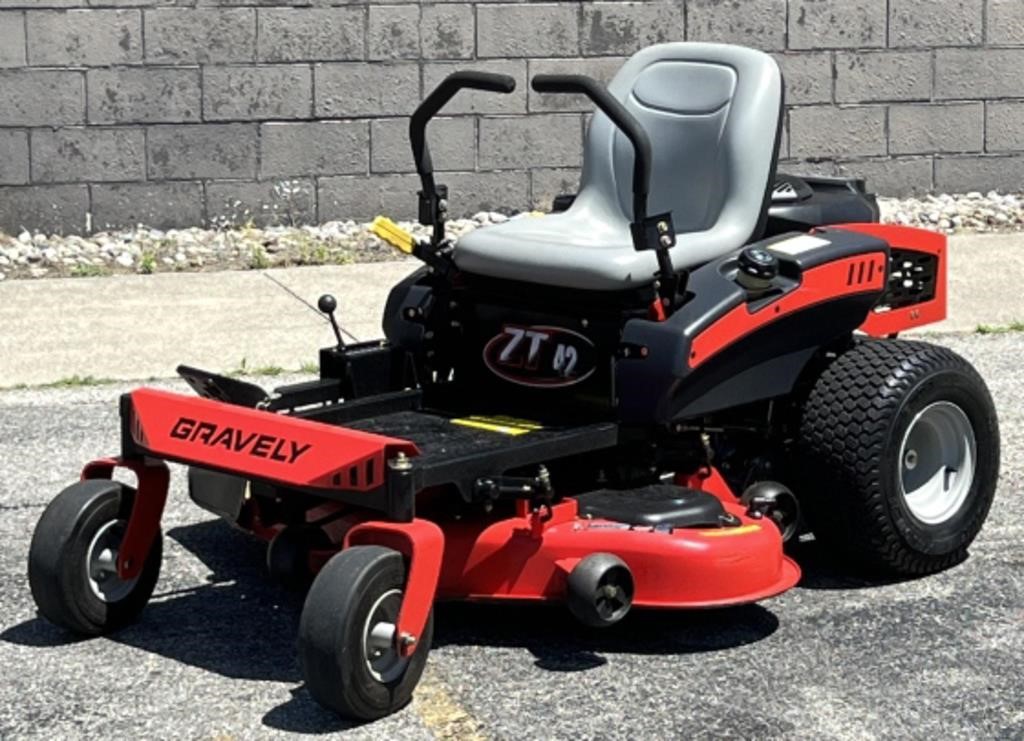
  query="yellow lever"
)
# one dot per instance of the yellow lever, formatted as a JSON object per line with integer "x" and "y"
{"x": 393, "y": 234}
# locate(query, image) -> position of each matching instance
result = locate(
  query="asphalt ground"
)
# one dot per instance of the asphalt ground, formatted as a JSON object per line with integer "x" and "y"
{"x": 213, "y": 656}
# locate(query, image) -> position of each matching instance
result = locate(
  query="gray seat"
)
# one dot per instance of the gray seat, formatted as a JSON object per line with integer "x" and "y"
{"x": 713, "y": 113}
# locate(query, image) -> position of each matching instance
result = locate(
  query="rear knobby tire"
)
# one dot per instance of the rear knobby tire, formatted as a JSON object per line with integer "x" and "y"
{"x": 855, "y": 462}
{"x": 337, "y": 664}
{"x": 73, "y": 552}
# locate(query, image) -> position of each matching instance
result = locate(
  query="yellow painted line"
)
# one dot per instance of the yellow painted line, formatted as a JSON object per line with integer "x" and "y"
{"x": 503, "y": 425}
{"x": 441, "y": 713}
{"x": 728, "y": 532}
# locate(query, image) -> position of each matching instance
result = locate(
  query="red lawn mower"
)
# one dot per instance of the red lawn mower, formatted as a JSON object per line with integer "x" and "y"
{"x": 634, "y": 401}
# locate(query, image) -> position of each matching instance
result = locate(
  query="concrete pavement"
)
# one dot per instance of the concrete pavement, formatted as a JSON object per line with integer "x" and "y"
{"x": 142, "y": 326}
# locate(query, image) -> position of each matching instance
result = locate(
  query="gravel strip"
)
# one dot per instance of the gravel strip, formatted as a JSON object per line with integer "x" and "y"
{"x": 144, "y": 250}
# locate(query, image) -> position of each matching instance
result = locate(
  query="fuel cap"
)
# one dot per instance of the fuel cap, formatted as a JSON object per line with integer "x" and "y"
{"x": 757, "y": 268}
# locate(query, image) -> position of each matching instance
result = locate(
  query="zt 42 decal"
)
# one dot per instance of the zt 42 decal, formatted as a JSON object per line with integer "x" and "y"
{"x": 540, "y": 356}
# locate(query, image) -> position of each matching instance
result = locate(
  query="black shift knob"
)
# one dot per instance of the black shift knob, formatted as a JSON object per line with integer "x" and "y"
{"x": 327, "y": 304}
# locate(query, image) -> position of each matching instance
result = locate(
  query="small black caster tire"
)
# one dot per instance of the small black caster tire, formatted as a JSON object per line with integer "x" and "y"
{"x": 600, "y": 589}
{"x": 347, "y": 661}
{"x": 288, "y": 555}
{"x": 73, "y": 555}
{"x": 899, "y": 454}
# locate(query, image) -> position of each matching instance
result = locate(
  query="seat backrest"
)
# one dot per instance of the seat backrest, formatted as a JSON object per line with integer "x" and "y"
{"x": 713, "y": 113}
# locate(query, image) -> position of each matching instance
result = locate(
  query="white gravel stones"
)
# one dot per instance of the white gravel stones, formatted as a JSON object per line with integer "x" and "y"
{"x": 146, "y": 250}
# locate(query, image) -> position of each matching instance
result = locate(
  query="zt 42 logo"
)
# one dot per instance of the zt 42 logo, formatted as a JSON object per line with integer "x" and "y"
{"x": 540, "y": 356}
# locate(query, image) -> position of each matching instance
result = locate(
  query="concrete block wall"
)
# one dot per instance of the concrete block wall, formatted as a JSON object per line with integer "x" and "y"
{"x": 184, "y": 112}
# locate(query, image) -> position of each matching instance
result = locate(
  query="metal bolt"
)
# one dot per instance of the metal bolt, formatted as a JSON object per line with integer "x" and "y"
{"x": 400, "y": 462}
{"x": 662, "y": 227}
{"x": 666, "y": 241}
{"x": 584, "y": 323}
{"x": 407, "y": 640}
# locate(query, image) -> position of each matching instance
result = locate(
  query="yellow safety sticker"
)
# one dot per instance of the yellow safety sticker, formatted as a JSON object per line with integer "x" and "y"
{"x": 393, "y": 234}
{"x": 728, "y": 532}
{"x": 502, "y": 425}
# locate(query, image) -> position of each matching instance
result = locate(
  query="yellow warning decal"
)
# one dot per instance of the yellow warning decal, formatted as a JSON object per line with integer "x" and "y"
{"x": 502, "y": 425}
{"x": 393, "y": 234}
{"x": 728, "y": 532}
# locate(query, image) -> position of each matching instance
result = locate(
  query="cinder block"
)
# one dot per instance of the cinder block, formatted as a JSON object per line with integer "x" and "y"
{"x": 602, "y": 69}
{"x": 150, "y": 95}
{"x": 56, "y": 209}
{"x": 926, "y": 129}
{"x": 312, "y": 34}
{"x": 534, "y": 141}
{"x": 88, "y": 154}
{"x": 394, "y": 32}
{"x": 448, "y": 31}
{"x": 883, "y": 75}
{"x": 248, "y": 93}
{"x": 930, "y": 23}
{"x": 1004, "y": 129}
{"x": 13, "y": 157}
{"x": 979, "y": 73}
{"x": 966, "y": 174}
{"x": 37, "y": 4}
{"x": 280, "y": 202}
{"x": 837, "y": 24}
{"x": 202, "y": 151}
{"x": 892, "y": 177}
{"x": 808, "y": 77}
{"x": 84, "y": 37}
{"x": 317, "y": 148}
{"x": 824, "y": 131}
{"x": 548, "y": 183}
{"x": 757, "y": 23}
{"x": 364, "y": 198}
{"x": 344, "y": 90}
{"x": 470, "y": 192}
{"x": 534, "y": 30}
{"x": 12, "y": 38}
{"x": 156, "y": 205}
{"x": 477, "y": 102}
{"x": 452, "y": 143}
{"x": 200, "y": 35}
{"x": 1005, "y": 22}
{"x": 42, "y": 97}
{"x": 611, "y": 28}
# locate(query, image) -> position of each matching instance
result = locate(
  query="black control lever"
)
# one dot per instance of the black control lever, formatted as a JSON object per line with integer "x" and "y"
{"x": 433, "y": 207}
{"x": 649, "y": 232}
{"x": 328, "y": 305}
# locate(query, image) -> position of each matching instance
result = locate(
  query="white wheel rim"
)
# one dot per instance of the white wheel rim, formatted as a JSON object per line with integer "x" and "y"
{"x": 937, "y": 462}
{"x": 380, "y": 651}
{"x": 101, "y": 564}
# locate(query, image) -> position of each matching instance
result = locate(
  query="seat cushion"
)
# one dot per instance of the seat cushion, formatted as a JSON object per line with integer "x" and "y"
{"x": 712, "y": 113}
{"x": 580, "y": 248}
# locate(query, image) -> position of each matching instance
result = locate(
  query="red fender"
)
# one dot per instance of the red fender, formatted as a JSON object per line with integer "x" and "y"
{"x": 422, "y": 542}
{"x": 144, "y": 522}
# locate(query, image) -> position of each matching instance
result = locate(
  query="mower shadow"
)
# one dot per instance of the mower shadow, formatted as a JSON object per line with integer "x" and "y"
{"x": 822, "y": 571}
{"x": 559, "y": 643}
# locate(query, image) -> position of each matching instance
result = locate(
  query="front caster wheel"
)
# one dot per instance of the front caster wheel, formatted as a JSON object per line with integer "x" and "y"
{"x": 347, "y": 649}
{"x": 72, "y": 562}
{"x": 900, "y": 456}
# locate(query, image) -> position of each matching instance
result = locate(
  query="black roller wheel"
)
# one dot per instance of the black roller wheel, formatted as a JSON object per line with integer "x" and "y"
{"x": 288, "y": 555}
{"x": 72, "y": 562}
{"x": 899, "y": 449}
{"x": 600, "y": 590}
{"x": 346, "y": 635}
